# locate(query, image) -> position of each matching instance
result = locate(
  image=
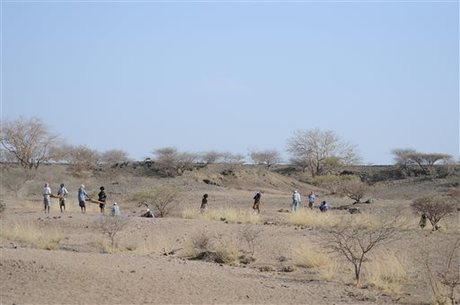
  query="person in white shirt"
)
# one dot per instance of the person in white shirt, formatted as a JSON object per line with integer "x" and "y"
{"x": 47, "y": 197}
{"x": 295, "y": 201}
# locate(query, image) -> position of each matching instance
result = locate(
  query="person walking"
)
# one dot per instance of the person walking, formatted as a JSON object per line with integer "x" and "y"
{"x": 311, "y": 200}
{"x": 256, "y": 206}
{"x": 82, "y": 197}
{"x": 62, "y": 194}
{"x": 47, "y": 197}
{"x": 204, "y": 203}
{"x": 296, "y": 200}
{"x": 102, "y": 197}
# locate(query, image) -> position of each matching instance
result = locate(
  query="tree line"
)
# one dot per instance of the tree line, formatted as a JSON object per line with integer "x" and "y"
{"x": 30, "y": 143}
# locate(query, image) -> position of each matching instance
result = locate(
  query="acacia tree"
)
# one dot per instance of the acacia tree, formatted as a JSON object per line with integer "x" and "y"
{"x": 171, "y": 162}
{"x": 28, "y": 140}
{"x": 267, "y": 157}
{"x": 112, "y": 156}
{"x": 210, "y": 157}
{"x": 435, "y": 208}
{"x": 318, "y": 151}
{"x": 425, "y": 161}
{"x": 161, "y": 197}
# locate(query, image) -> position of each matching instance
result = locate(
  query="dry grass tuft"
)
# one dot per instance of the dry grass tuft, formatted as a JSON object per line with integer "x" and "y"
{"x": 43, "y": 238}
{"x": 316, "y": 219}
{"x": 230, "y": 215}
{"x": 150, "y": 246}
{"x": 310, "y": 218}
{"x": 386, "y": 271}
{"x": 307, "y": 255}
{"x": 211, "y": 248}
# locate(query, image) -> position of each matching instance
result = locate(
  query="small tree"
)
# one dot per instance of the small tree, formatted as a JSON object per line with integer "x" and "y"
{"x": 266, "y": 157}
{"x": 28, "y": 140}
{"x": 249, "y": 234}
{"x": 161, "y": 197}
{"x": 354, "y": 189}
{"x": 111, "y": 226}
{"x": 434, "y": 208}
{"x": 81, "y": 158}
{"x": 210, "y": 157}
{"x": 443, "y": 272}
{"x": 355, "y": 244}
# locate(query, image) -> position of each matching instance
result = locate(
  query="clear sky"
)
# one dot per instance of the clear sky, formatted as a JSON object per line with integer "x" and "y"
{"x": 235, "y": 76}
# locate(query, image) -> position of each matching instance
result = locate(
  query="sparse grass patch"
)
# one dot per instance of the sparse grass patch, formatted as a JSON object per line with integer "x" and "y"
{"x": 310, "y": 218}
{"x": 306, "y": 255}
{"x": 386, "y": 271}
{"x": 224, "y": 214}
{"x": 146, "y": 247}
{"x": 190, "y": 213}
{"x": 316, "y": 219}
{"x": 212, "y": 249}
{"x": 43, "y": 238}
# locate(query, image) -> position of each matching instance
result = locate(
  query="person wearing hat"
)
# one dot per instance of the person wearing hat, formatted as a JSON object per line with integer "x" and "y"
{"x": 115, "y": 210}
{"x": 102, "y": 199}
{"x": 47, "y": 197}
{"x": 82, "y": 197}
{"x": 62, "y": 194}
{"x": 148, "y": 214}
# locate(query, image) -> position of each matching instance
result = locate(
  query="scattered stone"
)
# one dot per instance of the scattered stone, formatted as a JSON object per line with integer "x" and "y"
{"x": 354, "y": 211}
{"x": 287, "y": 269}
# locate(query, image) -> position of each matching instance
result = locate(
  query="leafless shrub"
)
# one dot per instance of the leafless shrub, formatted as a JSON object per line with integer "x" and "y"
{"x": 231, "y": 158}
{"x": 161, "y": 197}
{"x": 354, "y": 189}
{"x": 80, "y": 158}
{"x": 210, "y": 157}
{"x": 265, "y": 157}
{"x": 111, "y": 226}
{"x": 113, "y": 156}
{"x": 250, "y": 234}
{"x": 170, "y": 162}
{"x": 435, "y": 208}
{"x": 200, "y": 242}
{"x": 28, "y": 140}
{"x": 16, "y": 179}
{"x": 354, "y": 244}
{"x": 443, "y": 273}
{"x": 316, "y": 151}
{"x": 333, "y": 183}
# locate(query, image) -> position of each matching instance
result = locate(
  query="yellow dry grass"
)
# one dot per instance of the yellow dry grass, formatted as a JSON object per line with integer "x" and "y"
{"x": 307, "y": 255}
{"x": 231, "y": 215}
{"x": 316, "y": 219}
{"x": 43, "y": 238}
{"x": 386, "y": 271}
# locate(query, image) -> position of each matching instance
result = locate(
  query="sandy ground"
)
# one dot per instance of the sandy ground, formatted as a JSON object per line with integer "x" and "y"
{"x": 80, "y": 271}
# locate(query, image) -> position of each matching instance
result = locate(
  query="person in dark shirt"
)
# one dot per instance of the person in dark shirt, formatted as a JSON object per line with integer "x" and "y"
{"x": 102, "y": 199}
{"x": 204, "y": 203}
{"x": 256, "y": 206}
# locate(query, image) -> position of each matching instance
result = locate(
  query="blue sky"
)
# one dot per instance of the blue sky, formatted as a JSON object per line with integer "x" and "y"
{"x": 235, "y": 76}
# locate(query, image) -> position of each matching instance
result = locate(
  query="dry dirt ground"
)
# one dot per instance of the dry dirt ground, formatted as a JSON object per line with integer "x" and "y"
{"x": 151, "y": 265}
